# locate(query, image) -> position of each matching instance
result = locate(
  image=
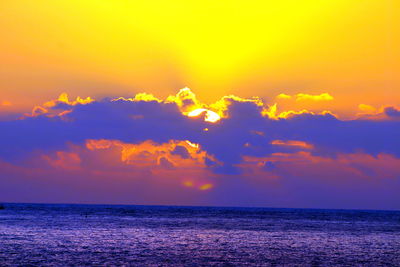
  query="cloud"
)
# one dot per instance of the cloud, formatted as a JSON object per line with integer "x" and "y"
{"x": 383, "y": 113}
{"x": 152, "y": 151}
{"x": 181, "y": 151}
{"x": 244, "y": 129}
{"x": 321, "y": 97}
{"x": 368, "y": 109}
{"x": 392, "y": 112}
{"x": 306, "y": 97}
{"x": 283, "y": 96}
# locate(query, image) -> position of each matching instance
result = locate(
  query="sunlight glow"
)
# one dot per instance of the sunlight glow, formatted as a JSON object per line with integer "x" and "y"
{"x": 210, "y": 116}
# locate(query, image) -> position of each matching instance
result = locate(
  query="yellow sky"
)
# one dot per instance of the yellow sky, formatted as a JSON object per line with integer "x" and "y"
{"x": 99, "y": 48}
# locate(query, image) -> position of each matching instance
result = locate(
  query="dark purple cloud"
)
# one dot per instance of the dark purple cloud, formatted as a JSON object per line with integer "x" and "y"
{"x": 392, "y": 112}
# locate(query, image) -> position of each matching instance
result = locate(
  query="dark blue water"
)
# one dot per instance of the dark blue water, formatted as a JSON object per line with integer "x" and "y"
{"x": 76, "y": 235}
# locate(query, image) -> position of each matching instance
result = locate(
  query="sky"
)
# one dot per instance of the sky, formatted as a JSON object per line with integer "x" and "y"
{"x": 217, "y": 103}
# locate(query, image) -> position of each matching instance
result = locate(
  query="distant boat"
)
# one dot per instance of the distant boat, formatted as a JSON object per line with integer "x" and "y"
{"x": 2, "y": 207}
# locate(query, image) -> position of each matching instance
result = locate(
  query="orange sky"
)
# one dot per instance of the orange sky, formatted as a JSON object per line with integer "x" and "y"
{"x": 349, "y": 49}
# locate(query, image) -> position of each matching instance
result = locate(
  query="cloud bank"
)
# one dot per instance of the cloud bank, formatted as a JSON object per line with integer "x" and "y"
{"x": 180, "y": 136}
{"x": 244, "y": 127}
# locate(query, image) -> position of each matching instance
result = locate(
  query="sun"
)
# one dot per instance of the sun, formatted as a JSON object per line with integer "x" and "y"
{"x": 210, "y": 116}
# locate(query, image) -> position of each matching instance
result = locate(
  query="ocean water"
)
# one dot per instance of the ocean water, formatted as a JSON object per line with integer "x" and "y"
{"x": 87, "y": 235}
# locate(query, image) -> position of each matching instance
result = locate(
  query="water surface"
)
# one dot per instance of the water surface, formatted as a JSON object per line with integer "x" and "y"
{"x": 76, "y": 235}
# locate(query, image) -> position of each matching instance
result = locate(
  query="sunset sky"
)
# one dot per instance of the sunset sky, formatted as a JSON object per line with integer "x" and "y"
{"x": 291, "y": 103}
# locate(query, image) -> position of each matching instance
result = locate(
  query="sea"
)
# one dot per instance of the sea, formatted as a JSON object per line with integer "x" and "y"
{"x": 105, "y": 235}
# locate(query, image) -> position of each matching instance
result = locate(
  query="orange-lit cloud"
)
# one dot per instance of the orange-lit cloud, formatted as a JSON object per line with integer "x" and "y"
{"x": 321, "y": 97}
{"x": 382, "y": 113}
{"x": 307, "y": 97}
{"x": 293, "y": 143}
{"x": 184, "y": 154}
{"x": 64, "y": 160}
{"x": 273, "y": 113}
{"x": 368, "y": 109}
{"x": 63, "y": 99}
{"x": 283, "y": 96}
{"x": 306, "y": 102}
{"x": 183, "y": 158}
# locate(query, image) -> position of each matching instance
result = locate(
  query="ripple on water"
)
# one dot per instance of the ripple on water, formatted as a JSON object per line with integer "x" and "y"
{"x": 145, "y": 236}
